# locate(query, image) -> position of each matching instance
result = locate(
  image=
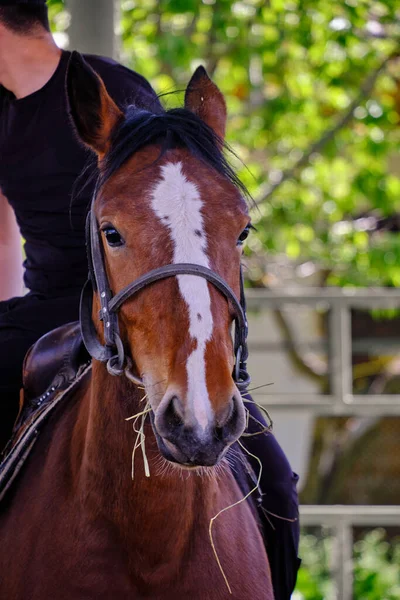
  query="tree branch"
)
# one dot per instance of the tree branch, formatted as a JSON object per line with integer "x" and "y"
{"x": 307, "y": 363}
{"x": 328, "y": 135}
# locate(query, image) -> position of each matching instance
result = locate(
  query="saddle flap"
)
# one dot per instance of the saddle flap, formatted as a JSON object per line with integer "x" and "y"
{"x": 53, "y": 366}
{"x": 53, "y": 360}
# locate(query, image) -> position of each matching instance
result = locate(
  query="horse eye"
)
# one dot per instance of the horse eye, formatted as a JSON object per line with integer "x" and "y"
{"x": 113, "y": 238}
{"x": 244, "y": 235}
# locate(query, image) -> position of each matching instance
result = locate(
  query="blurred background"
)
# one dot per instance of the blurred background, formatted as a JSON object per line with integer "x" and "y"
{"x": 313, "y": 94}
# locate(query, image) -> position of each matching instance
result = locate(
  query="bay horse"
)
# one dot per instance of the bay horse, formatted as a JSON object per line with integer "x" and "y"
{"x": 168, "y": 215}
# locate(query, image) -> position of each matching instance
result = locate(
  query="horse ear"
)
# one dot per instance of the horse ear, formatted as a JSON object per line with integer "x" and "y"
{"x": 205, "y": 100}
{"x": 93, "y": 112}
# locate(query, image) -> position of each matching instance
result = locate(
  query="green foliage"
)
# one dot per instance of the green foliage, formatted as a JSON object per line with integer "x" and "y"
{"x": 291, "y": 70}
{"x": 314, "y": 579}
{"x": 59, "y": 17}
{"x": 376, "y": 568}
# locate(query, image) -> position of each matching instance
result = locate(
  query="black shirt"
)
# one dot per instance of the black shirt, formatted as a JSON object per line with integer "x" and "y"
{"x": 40, "y": 159}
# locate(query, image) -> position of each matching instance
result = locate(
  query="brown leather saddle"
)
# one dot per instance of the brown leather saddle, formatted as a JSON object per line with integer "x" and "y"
{"x": 53, "y": 367}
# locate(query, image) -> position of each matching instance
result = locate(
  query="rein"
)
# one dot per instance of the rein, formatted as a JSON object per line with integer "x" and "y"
{"x": 113, "y": 352}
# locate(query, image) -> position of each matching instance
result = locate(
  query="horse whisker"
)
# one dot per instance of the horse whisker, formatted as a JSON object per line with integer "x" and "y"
{"x": 262, "y": 408}
{"x": 268, "y": 512}
{"x": 264, "y": 428}
{"x": 258, "y": 387}
{"x": 268, "y": 519}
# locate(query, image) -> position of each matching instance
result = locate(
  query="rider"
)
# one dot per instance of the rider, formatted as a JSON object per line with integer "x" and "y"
{"x": 40, "y": 159}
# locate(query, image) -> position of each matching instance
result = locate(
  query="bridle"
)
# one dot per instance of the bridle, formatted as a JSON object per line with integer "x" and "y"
{"x": 113, "y": 352}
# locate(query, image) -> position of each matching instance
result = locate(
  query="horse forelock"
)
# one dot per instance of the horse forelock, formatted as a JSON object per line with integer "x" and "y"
{"x": 174, "y": 128}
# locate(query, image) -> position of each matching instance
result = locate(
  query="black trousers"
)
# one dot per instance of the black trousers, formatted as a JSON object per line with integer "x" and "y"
{"x": 22, "y": 322}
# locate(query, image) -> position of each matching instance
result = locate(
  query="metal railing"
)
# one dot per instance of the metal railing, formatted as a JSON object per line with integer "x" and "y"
{"x": 339, "y": 302}
{"x": 342, "y": 519}
{"x": 340, "y": 401}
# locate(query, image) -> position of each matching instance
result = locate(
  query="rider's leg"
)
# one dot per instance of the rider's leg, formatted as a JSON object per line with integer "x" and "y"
{"x": 22, "y": 322}
{"x": 280, "y": 503}
{"x": 14, "y": 343}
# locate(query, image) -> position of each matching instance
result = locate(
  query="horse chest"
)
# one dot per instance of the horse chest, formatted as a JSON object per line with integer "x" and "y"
{"x": 53, "y": 547}
{"x": 73, "y": 558}
{"x": 61, "y": 558}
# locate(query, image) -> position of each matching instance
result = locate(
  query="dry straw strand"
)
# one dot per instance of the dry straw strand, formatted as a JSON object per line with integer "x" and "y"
{"x": 140, "y": 439}
{"x": 255, "y": 488}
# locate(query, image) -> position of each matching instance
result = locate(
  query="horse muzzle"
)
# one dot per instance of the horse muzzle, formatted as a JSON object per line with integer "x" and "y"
{"x": 183, "y": 440}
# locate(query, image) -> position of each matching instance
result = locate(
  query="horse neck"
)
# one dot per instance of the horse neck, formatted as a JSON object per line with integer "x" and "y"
{"x": 172, "y": 501}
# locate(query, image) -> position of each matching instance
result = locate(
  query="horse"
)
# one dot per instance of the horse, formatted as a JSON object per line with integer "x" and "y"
{"x": 165, "y": 235}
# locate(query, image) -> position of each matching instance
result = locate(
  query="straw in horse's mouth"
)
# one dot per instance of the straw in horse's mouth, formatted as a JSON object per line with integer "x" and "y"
{"x": 140, "y": 437}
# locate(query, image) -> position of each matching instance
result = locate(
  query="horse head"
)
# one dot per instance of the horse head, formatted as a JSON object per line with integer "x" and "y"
{"x": 167, "y": 196}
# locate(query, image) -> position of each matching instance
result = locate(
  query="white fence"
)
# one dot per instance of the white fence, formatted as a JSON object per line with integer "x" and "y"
{"x": 340, "y": 401}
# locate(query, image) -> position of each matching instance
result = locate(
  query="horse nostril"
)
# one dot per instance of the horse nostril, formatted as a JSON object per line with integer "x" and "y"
{"x": 173, "y": 415}
{"x": 219, "y": 433}
{"x": 230, "y": 423}
{"x": 225, "y": 415}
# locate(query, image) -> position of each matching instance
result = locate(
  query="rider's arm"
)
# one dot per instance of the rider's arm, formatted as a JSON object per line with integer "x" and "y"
{"x": 10, "y": 253}
{"x": 280, "y": 504}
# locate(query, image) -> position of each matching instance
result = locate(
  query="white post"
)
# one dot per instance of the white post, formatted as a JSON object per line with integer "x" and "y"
{"x": 343, "y": 573}
{"x": 340, "y": 358}
{"x": 92, "y": 28}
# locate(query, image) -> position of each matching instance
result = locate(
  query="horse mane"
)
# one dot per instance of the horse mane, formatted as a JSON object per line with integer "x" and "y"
{"x": 173, "y": 128}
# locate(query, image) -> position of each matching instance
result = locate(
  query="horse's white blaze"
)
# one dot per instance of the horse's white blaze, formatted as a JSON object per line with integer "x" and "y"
{"x": 177, "y": 203}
